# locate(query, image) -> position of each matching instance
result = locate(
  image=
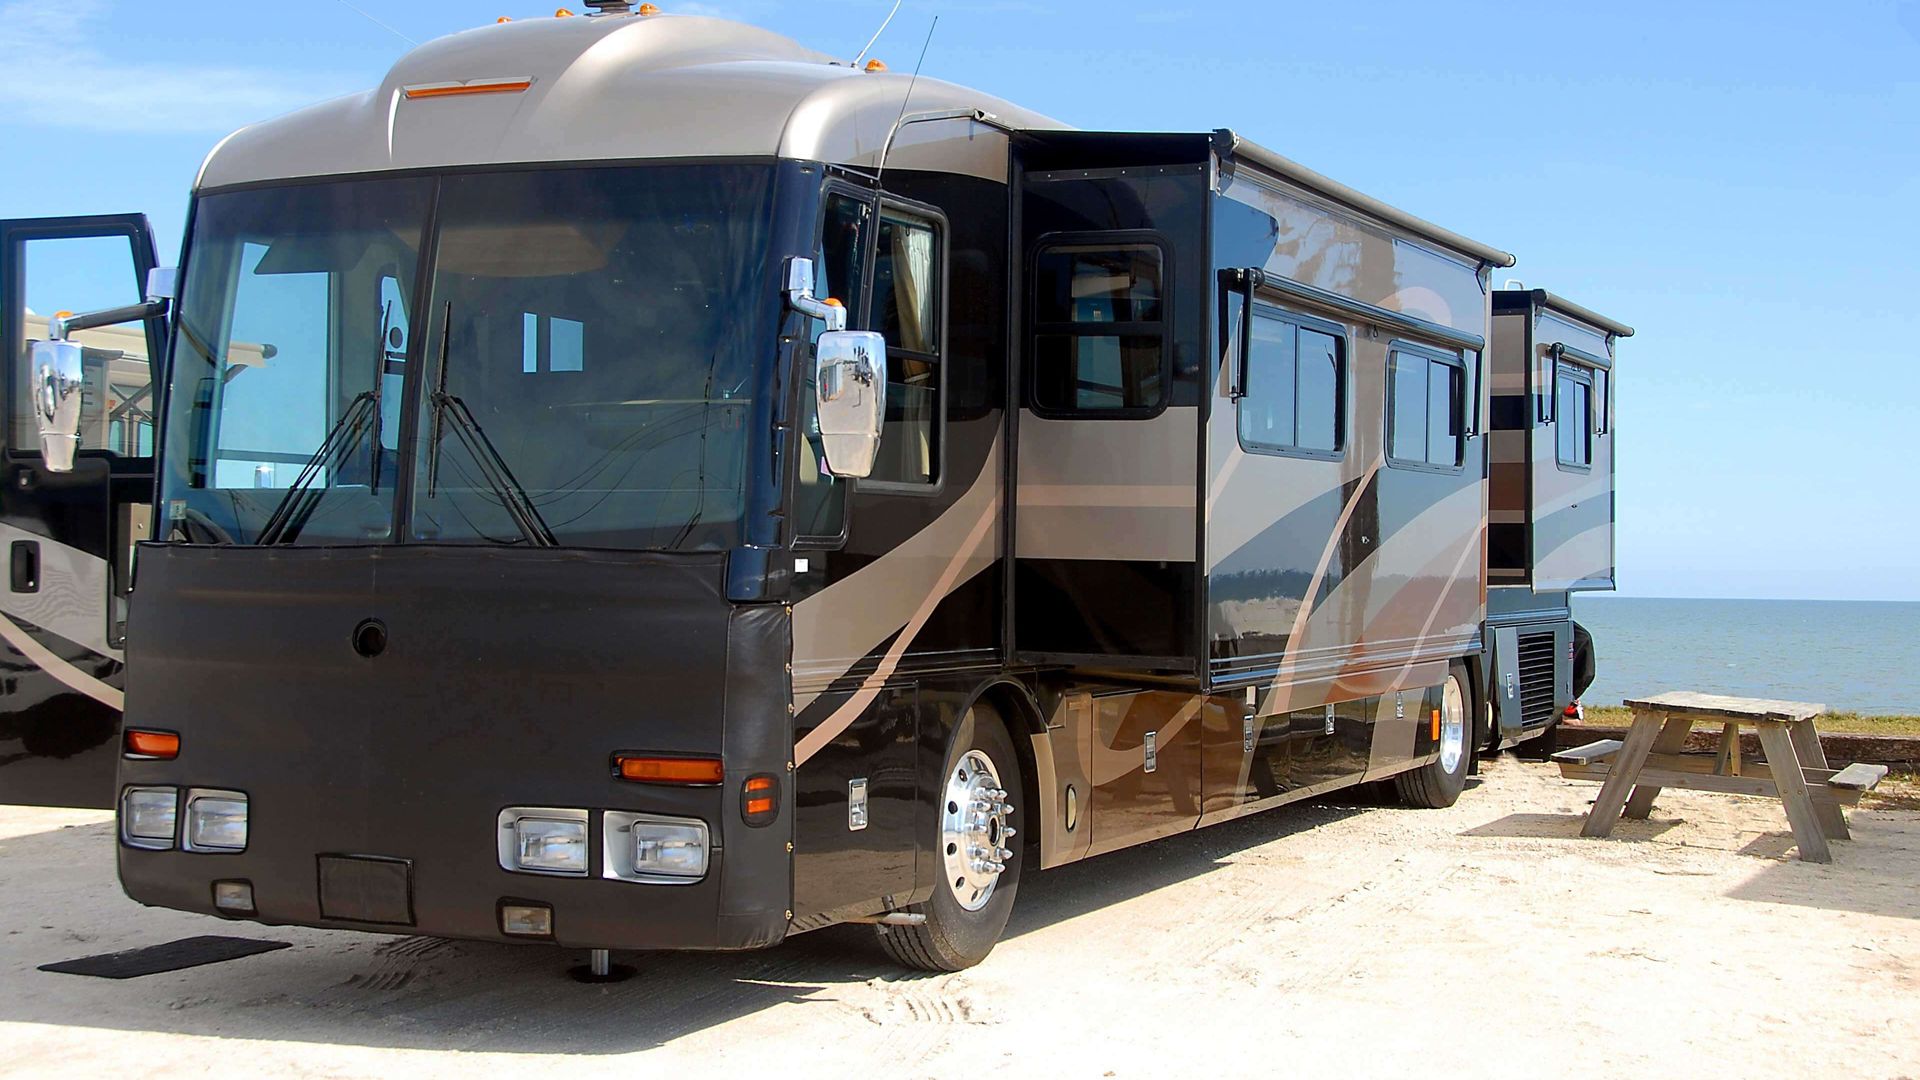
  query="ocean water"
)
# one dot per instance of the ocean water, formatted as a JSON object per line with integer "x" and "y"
{"x": 1849, "y": 656}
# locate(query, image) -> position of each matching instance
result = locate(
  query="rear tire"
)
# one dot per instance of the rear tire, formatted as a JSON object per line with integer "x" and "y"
{"x": 1438, "y": 784}
{"x": 968, "y": 827}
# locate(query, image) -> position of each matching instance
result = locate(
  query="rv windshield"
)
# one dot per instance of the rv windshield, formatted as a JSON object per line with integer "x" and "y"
{"x": 580, "y": 356}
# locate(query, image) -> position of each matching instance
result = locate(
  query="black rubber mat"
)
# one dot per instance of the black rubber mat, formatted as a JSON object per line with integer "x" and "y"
{"x": 173, "y": 956}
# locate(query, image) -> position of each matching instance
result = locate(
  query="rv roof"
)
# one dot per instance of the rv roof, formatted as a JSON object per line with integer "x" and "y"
{"x": 619, "y": 87}
{"x": 1289, "y": 169}
{"x": 597, "y": 88}
{"x": 1516, "y": 299}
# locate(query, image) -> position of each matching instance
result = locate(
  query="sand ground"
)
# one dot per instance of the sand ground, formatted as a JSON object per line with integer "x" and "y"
{"x": 1331, "y": 938}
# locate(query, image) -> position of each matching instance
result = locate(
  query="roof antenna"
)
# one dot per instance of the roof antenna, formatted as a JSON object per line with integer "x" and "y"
{"x": 881, "y": 169}
{"x": 378, "y": 23}
{"x": 877, "y": 33}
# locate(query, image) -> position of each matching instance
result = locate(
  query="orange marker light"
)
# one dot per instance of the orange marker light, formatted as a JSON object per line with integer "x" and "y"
{"x": 1436, "y": 725}
{"x": 876, "y": 66}
{"x": 152, "y": 745}
{"x": 760, "y": 800}
{"x": 649, "y": 9}
{"x": 562, "y": 13}
{"x": 503, "y": 19}
{"x": 667, "y": 770}
{"x": 831, "y": 302}
{"x": 459, "y": 89}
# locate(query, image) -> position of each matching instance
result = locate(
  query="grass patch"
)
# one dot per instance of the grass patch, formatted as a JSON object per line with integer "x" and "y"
{"x": 1832, "y": 723}
{"x": 1899, "y": 791}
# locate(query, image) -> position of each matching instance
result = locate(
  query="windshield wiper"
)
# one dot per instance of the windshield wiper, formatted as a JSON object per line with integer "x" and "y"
{"x": 362, "y": 414}
{"x": 493, "y": 468}
{"x": 297, "y": 505}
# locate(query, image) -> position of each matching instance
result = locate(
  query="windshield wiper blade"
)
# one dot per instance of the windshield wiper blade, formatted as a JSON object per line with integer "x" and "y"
{"x": 362, "y": 414}
{"x": 297, "y": 505}
{"x": 493, "y": 468}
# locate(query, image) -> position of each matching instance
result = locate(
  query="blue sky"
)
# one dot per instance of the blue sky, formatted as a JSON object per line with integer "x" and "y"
{"x": 1737, "y": 180}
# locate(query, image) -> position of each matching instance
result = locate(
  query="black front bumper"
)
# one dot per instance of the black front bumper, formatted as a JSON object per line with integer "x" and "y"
{"x": 510, "y": 679}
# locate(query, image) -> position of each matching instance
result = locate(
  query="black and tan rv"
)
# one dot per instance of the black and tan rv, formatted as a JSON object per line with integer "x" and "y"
{"x": 704, "y": 491}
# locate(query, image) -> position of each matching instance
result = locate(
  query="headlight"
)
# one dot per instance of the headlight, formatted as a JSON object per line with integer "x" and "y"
{"x": 216, "y": 820}
{"x": 147, "y": 816}
{"x": 654, "y": 850}
{"x": 542, "y": 840}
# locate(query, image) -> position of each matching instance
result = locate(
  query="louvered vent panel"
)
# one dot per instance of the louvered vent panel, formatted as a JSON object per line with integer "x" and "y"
{"x": 1536, "y": 679}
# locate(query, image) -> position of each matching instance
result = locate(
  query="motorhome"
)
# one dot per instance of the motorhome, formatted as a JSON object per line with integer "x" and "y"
{"x": 704, "y": 490}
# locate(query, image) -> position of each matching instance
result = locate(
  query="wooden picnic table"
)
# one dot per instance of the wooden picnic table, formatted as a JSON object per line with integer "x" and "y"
{"x": 1794, "y": 768}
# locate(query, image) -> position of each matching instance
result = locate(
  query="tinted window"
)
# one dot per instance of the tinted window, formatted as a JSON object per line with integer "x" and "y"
{"x": 1426, "y": 422}
{"x": 906, "y": 284}
{"x": 1100, "y": 344}
{"x": 1294, "y": 395}
{"x": 621, "y": 406}
{"x": 1573, "y": 420}
{"x": 596, "y": 333}
{"x": 88, "y": 273}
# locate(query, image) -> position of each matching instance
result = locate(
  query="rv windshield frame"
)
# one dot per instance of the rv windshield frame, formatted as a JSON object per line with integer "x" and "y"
{"x": 668, "y": 271}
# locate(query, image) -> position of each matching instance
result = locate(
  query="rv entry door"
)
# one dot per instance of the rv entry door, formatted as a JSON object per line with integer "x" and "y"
{"x": 68, "y": 536}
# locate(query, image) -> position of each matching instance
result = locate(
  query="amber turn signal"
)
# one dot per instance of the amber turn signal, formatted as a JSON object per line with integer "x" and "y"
{"x": 669, "y": 770}
{"x": 152, "y": 745}
{"x": 1436, "y": 725}
{"x": 760, "y": 800}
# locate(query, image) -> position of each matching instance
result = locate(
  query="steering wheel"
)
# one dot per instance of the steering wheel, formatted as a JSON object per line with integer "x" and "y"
{"x": 197, "y": 528}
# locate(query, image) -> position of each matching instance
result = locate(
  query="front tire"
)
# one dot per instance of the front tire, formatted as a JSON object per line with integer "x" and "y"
{"x": 979, "y": 863}
{"x": 1438, "y": 784}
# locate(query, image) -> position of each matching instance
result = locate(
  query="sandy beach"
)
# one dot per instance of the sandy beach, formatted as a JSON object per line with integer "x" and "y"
{"x": 1347, "y": 937}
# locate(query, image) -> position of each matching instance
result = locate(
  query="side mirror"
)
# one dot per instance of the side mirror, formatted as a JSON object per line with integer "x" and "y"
{"x": 850, "y": 395}
{"x": 58, "y": 377}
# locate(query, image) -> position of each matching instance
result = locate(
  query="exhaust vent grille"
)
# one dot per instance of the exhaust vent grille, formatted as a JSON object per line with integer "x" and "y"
{"x": 1536, "y": 679}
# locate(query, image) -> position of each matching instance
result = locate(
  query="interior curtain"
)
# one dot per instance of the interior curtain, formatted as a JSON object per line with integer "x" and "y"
{"x": 913, "y": 284}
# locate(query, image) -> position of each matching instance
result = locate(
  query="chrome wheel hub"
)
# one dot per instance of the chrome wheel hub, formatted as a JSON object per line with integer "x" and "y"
{"x": 1453, "y": 725}
{"x": 975, "y": 840}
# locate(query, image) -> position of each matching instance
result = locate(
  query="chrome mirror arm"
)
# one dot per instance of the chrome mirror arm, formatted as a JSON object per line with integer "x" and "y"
{"x": 63, "y": 327}
{"x": 800, "y": 296}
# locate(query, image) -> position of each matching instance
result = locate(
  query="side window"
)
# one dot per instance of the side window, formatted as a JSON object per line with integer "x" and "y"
{"x": 907, "y": 268}
{"x": 819, "y": 502}
{"x": 1426, "y": 409}
{"x": 1574, "y": 416}
{"x": 89, "y": 273}
{"x": 1100, "y": 330}
{"x": 1296, "y": 388}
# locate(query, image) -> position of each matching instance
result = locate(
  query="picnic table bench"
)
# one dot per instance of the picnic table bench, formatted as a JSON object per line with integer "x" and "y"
{"x": 1794, "y": 768}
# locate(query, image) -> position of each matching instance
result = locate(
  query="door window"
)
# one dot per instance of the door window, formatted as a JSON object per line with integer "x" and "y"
{"x": 907, "y": 268}
{"x": 79, "y": 274}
